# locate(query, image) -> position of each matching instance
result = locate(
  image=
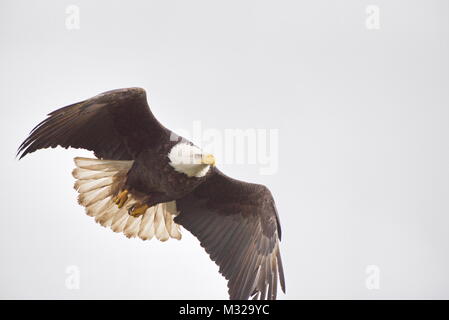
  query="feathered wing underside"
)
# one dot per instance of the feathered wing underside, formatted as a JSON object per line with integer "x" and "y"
{"x": 98, "y": 181}
{"x": 238, "y": 226}
{"x": 115, "y": 125}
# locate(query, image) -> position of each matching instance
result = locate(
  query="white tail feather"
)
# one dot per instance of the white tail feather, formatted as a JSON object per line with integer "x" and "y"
{"x": 100, "y": 180}
{"x": 84, "y": 186}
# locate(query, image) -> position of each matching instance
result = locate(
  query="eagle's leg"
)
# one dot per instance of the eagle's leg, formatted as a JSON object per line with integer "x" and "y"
{"x": 121, "y": 198}
{"x": 137, "y": 210}
{"x": 147, "y": 201}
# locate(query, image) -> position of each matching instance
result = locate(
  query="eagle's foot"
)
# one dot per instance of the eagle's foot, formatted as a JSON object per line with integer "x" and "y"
{"x": 121, "y": 198}
{"x": 137, "y": 210}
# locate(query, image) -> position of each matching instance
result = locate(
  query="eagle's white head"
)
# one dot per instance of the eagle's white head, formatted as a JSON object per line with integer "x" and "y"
{"x": 190, "y": 160}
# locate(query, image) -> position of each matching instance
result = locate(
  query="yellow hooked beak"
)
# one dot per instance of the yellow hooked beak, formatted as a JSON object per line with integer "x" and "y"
{"x": 208, "y": 159}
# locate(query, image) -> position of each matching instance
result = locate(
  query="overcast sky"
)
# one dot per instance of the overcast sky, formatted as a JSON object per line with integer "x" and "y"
{"x": 357, "y": 92}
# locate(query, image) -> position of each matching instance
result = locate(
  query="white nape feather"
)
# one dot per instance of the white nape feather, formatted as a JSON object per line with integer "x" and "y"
{"x": 187, "y": 159}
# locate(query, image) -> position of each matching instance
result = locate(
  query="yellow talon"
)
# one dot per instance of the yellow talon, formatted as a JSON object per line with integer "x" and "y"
{"x": 121, "y": 198}
{"x": 137, "y": 210}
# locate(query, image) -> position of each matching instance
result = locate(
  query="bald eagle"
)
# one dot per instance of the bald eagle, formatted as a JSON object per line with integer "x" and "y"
{"x": 147, "y": 182}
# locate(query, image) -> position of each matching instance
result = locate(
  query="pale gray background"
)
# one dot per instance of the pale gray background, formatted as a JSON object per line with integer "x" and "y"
{"x": 363, "y": 119}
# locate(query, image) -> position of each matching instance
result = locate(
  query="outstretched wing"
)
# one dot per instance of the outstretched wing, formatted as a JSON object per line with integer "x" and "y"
{"x": 116, "y": 125}
{"x": 237, "y": 223}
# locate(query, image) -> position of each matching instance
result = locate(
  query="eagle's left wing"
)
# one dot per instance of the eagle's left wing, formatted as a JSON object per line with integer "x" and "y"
{"x": 115, "y": 125}
{"x": 237, "y": 223}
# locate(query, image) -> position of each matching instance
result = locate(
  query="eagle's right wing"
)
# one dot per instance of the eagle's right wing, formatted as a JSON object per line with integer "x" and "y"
{"x": 116, "y": 125}
{"x": 237, "y": 223}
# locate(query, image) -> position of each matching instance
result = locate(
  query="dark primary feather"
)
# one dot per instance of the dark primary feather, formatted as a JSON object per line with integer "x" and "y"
{"x": 237, "y": 223}
{"x": 116, "y": 125}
